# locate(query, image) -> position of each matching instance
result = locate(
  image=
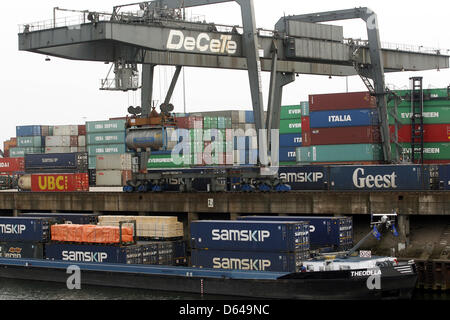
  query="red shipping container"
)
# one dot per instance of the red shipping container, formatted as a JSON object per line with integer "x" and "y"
{"x": 341, "y": 101}
{"x": 190, "y": 122}
{"x": 305, "y": 123}
{"x": 306, "y": 138}
{"x": 12, "y": 165}
{"x": 344, "y": 135}
{"x": 82, "y": 130}
{"x": 431, "y": 133}
{"x": 59, "y": 182}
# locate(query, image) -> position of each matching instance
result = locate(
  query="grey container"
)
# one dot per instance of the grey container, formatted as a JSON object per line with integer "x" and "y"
{"x": 114, "y": 162}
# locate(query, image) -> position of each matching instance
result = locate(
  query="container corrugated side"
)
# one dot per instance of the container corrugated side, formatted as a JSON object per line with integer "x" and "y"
{"x": 56, "y": 161}
{"x": 250, "y": 236}
{"x": 93, "y": 253}
{"x": 106, "y": 149}
{"x": 290, "y": 112}
{"x": 105, "y": 126}
{"x": 345, "y": 135}
{"x": 70, "y": 218}
{"x": 22, "y": 250}
{"x": 291, "y": 126}
{"x": 34, "y": 141}
{"x": 431, "y": 151}
{"x": 381, "y": 178}
{"x": 343, "y": 118}
{"x": 254, "y": 261}
{"x": 431, "y": 133}
{"x": 439, "y": 114}
{"x": 341, "y": 101}
{"x": 106, "y": 138}
{"x": 336, "y": 232}
{"x": 114, "y": 162}
{"x": 24, "y": 229}
{"x": 340, "y": 153}
{"x": 28, "y": 131}
{"x": 305, "y": 177}
{"x": 291, "y": 140}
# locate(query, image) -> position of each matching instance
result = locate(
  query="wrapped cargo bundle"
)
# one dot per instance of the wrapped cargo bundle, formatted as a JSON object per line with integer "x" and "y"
{"x": 148, "y": 226}
{"x": 90, "y": 234}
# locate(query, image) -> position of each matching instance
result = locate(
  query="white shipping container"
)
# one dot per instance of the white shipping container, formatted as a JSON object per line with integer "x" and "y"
{"x": 114, "y": 162}
{"x": 68, "y": 130}
{"x": 81, "y": 149}
{"x": 57, "y": 150}
{"x": 73, "y": 149}
{"x": 82, "y": 141}
{"x": 241, "y": 116}
{"x": 57, "y": 141}
{"x": 112, "y": 178}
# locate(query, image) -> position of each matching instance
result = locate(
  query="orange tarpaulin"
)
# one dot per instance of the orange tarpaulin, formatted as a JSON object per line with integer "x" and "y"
{"x": 90, "y": 233}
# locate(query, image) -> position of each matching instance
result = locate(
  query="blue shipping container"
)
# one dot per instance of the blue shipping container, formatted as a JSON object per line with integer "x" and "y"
{"x": 25, "y": 229}
{"x": 244, "y": 260}
{"x": 28, "y": 131}
{"x": 344, "y": 118}
{"x": 290, "y": 140}
{"x": 444, "y": 176}
{"x": 336, "y": 232}
{"x": 383, "y": 177}
{"x": 93, "y": 253}
{"x": 69, "y": 161}
{"x": 288, "y": 154}
{"x": 305, "y": 177}
{"x": 22, "y": 250}
{"x": 250, "y": 236}
{"x": 62, "y": 218}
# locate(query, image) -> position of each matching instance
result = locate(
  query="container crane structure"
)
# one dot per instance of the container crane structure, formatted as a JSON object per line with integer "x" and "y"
{"x": 158, "y": 34}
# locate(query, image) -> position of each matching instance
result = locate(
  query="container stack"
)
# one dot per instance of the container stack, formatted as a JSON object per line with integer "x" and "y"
{"x": 24, "y": 237}
{"x": 66, "y": 139}
{"x": 113, "y": 170}
{"x": 290, "y": 133}
{"x": 436, "y": 129}
{"x": 105, "y": 137}
{"x": 7, "y": 145}
{"x": 343, "y": 129}
{"x": 247, "y": 245}
{"x": 10, "y": 169}
{"x": 30, "y": 139}
{"x": 55, "y": 172}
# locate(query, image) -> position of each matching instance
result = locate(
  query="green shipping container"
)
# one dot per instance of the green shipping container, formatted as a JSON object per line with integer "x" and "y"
{"x": 106, "y": 138}
{"x": 166, "y": 161}
{"x": 106, "y": 149}
{"x": 339, "y": 153}
{"x": 432, "y": 97}
{"x": 36, "y": 141}
{"x": 92, "y": 162}
{"x": 105, "y": 126}
{"x": 20, "y": 152}
{"x": 431, "y": 151}
{"x": 431, "y": 115}
{"x": 291, "y": 126}
{"x": 291, "y": 112}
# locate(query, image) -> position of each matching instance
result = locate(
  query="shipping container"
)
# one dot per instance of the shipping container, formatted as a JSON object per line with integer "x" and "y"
{"x": 249, "y": 236}
{"x": 65, "y": 130}
{"x": 43, "y": 163}
{"x": 22, "y": 250}
{"x": 341, "y": 101}
{"x": 290, "y": 112}
{"x": 431, "y": 133}
{"x": 431, "y": 115}
{"x": 18, "y": 152}
{"x": 94, "y": 253}
{"x": 163, "y": 252}
{"x": 431, "y": 97}
{"x": 291, "y": 126}
{"x": 444, "y": 176}
{"x": 81, "y": 130}
{"x": 36, "y": 141}
{"x": 305, "y": 108}
{"x": 46, "y": 131}
{"x": 11, "y": 165}
{"x": 106, "y": 149}
{"x": 58, "y": 150}
{"x": 335, "y": 232}
{"x": 431, "y": 151}
{"x": 344, "y": 135}
{"x": 64, "y": 182}
{"x": 287, "y": 154}
{"x": 167, "y": 161}
{"x": 339, "y": 153}
{"x": 343, "y": 118}
{"x": 106, "y": 138}
{"x": 291, "y": 140}
{"x": 24, "y": 229}
{"x": 304, "y": 177}
{"x": 244, "y": 260}
{"x": 114, "y": 162}
{"x": 28, "y": 131}
{"x": 105, "y": 126}
{"x": 112, "y": 178}
{"x": 190, "y": 122}
{"x": 306, "y": 125}
{"x": 381, "y": 178}
{"x": 66, "y": 218}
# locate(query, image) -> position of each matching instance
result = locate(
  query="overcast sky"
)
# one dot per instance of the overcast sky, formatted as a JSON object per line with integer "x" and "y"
{"x": 59, "y": 92}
